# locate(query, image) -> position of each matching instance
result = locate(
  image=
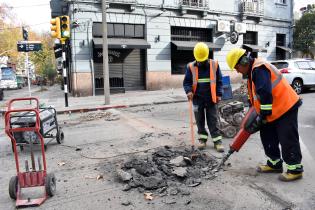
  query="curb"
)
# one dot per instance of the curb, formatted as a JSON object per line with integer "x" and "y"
{"x": 82, "y": 110}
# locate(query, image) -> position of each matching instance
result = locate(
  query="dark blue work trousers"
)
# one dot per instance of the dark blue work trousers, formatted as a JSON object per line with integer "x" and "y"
{"x": 204, "y": 109}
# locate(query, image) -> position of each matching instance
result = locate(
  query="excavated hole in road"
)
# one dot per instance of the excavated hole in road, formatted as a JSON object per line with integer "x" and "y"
{"x": 165, "y": 168}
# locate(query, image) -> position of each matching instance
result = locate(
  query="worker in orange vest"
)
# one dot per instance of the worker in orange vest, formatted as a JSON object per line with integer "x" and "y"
{"x": 277, "y": 105}
{"x": 203, "y": 85}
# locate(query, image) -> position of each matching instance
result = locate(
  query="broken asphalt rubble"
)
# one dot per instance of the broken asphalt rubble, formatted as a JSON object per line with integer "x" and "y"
{"x": 167, "y": 171}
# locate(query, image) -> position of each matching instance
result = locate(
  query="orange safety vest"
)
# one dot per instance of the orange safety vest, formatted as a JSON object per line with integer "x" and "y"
{"x": 213, "y": 81}
{"x": 284, "y": 97}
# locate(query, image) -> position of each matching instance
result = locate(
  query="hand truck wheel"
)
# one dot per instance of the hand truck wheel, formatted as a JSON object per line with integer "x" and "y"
{"x": 60, "y": 136}
{"x": 50, "y": 184}
{"x": 13, "y": 186}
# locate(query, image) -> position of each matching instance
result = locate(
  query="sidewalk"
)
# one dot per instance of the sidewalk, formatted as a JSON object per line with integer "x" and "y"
{"x": 55, "y": 97}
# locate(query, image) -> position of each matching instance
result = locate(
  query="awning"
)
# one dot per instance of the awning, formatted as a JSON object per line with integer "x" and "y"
{"x": 285, "y": 48}
{"x": 254, "y": 48}
{"x": 183, "y": 45}
{"x": 115, "y": 43}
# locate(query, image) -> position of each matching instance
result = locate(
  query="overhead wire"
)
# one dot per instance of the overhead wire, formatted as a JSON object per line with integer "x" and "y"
{"x": 11, "y": 28}
{"x": 23, "y": 6}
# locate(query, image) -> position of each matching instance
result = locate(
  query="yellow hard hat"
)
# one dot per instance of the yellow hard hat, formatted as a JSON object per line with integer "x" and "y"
{"x": 201, "y": 52}
{"x": 233, "y": 56}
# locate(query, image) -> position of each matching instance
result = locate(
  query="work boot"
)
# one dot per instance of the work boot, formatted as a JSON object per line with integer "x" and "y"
{"x": 292, "y": 174}
{"x": 202, "y": 144}
{"x": 275, "y": 167}
{"x": 218, "y": 146}
{"x": 288, "y": 177}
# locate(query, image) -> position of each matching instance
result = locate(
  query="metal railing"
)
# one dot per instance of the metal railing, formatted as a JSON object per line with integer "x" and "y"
{"x": 199, "y": 4}
{"x": 253, "y": 7}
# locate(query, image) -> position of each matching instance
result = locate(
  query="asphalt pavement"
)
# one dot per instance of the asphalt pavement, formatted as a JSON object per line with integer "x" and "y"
{"x": 96, "y": 143}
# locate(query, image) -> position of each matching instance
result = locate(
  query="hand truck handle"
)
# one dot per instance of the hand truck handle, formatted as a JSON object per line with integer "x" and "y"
{"x": 23, "y": 99}
{"x": 8, "y": 124}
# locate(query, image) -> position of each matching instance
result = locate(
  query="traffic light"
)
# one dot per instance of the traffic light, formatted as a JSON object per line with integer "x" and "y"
{"x": 65, "y": 27}
{"x": 25, "y": 33}
{"x": 55, "y": 28}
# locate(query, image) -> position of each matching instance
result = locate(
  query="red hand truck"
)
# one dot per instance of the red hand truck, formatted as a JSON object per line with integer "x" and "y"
{"x": 34, "y": 177}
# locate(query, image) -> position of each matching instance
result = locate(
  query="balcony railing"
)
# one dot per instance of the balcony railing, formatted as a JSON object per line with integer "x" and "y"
{"x": 252, "y": 8}
{"x": 196, "y": 4}
{"x": 122, "y": 1}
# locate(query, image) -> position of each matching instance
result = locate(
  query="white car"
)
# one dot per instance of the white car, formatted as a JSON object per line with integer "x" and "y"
{"x": 300, "y": 73}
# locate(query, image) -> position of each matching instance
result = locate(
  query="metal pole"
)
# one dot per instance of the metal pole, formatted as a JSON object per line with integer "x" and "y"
{"x": 105, "y": 55}
{"x": 28, "y": 75}
{"x": 64, "y": 72}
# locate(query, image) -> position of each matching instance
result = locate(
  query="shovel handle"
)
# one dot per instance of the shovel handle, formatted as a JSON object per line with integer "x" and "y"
{"x": 191, "y": 123}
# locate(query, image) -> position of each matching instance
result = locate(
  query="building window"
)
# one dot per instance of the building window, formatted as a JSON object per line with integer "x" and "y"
{"x": 251, "y": 37}
{"x": 191, "y": 34}
{"x": 180, "y": 58}
{"x": 280, "y": 41}
{"x": 281, "y": 1}
{"x": 119, "y": 30}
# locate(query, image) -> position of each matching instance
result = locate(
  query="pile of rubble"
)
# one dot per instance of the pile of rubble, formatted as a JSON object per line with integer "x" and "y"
{"x": 107, "y": 115}
{"x": 240, "y": 94}
{"x": 166, "y": 168}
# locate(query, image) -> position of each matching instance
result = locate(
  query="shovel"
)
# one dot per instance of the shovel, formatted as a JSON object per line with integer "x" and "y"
{"x": 194, "y": 155}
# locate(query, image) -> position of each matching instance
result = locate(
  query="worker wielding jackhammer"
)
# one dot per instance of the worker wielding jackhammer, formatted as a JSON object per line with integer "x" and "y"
{"x": 277, "y": 106}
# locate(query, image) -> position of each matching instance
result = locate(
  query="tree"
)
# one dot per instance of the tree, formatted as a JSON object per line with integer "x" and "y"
{"x": 44, "y": 59}
{"x": 304, "y": 34}
{"x": 11, "y": 33}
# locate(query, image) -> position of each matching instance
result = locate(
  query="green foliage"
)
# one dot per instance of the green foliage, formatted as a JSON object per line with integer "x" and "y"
{"x": 11, "y": 33}
{"x": 49, "y": 72}
{"x": 304, "y": 34}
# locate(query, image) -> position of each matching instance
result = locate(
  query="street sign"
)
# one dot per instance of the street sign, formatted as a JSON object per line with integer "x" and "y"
{"x": 29, "y": 46}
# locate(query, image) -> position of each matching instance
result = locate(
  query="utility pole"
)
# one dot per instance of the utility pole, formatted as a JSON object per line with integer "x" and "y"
{"x": 105, "y": 55}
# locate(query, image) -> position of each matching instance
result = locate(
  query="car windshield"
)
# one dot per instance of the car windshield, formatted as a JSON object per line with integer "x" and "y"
{"x": 281, "y": 65}
{"x": 8, "y": 77}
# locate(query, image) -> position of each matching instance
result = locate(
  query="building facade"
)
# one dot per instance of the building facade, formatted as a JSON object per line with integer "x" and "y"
{"x": 151, "y": 41}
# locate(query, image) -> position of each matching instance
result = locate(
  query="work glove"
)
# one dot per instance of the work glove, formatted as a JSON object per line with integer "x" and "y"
{"x": 259, "y": 121}
{"x": 190, "y": 96}
{"x": 219, "y": 99}
{"x": 255, "y": 124}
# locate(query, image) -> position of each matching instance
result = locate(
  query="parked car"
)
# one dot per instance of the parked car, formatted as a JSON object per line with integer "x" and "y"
{"x": 39, "y": 80}
{"x": 20, "y": 81}
{"x": 300, "y": 73}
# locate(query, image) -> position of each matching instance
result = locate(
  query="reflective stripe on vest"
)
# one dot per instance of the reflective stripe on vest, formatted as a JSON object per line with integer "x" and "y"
{"x": 283, "y": 95}
{"x": 204, "y": 80}
{"x": 213, "y": 69}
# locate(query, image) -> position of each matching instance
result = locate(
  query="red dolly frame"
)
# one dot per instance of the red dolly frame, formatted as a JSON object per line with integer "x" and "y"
{"x": 29, "y": 178}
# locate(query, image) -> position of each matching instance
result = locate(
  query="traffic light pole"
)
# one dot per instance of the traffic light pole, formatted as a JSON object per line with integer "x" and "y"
{"x": 64, "y": 73}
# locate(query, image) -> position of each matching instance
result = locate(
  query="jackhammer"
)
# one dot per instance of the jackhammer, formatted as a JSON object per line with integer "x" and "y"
{"x": 250, "y": 124}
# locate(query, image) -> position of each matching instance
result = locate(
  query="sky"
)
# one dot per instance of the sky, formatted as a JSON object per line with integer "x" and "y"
{"x": 36, "y": 13}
